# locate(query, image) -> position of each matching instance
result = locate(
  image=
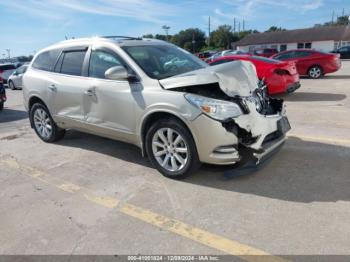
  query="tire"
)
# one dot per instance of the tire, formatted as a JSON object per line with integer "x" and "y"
{"x": 1, "y": 106}
{"x": 315, "y": 72}
{"x": 50, "y": 132}
{"x": 12, "y": 86}
{"x": 179, "y": 164}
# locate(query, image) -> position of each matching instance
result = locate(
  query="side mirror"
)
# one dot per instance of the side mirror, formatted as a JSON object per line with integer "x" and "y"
{"x": 117, "y": 73}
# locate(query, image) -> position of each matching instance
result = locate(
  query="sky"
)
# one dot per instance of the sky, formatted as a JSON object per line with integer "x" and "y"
{"x": 29, "y": 25}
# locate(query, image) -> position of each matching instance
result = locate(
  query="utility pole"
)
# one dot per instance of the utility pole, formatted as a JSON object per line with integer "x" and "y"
{"x": 333, "y": 17}
{"x": 234, "y": 24}
{"x": 8, "y": 53}
{"x": 166, "y": 29}
{"x": 239, "y": 27}
{"x": 243, "y": 25}
{"x": 209, "y": 31}
{"x": 193, "y": 43}
{"x": 342, "y": 14}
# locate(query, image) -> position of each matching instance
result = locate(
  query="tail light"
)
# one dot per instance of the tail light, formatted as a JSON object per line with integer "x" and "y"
{"x": 281, "y": 72}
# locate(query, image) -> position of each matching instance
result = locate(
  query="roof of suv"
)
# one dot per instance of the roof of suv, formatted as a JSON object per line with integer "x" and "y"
{"x": 120, "y": 41}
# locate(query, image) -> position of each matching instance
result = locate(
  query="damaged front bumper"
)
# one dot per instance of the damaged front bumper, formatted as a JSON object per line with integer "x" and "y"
{"x": 250, "y": 137}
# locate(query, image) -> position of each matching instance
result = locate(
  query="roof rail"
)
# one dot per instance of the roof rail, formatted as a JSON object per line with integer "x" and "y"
{"x": 121, "y": 37}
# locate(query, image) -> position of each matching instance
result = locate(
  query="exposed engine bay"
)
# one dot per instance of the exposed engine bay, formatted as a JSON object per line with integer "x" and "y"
{"x": 263, "y": 119}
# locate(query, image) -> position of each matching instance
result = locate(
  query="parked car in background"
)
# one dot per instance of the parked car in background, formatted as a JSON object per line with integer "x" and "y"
{"x": 206, "y": 54}
{"x": 225, "y": 53}
{"x": 311, "y": 63}
{"x": 2, "y": 95}
{"x": 238, "y": 52}
{"x": 5, "y": 71}
{"x": 344, "y": 52}
{"x": 266, "y": 52}
{"x": 279, "y": 77}
{"x": 179, "y": 116}
{"x": 216, "y": 55}
{"x": 15, "y": 79}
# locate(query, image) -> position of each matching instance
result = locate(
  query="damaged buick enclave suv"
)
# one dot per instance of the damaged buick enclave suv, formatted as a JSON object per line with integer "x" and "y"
{"x": 150, "y": 93}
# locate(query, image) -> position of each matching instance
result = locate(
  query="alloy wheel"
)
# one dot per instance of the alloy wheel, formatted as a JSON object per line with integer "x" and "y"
{"x": 42, "y": 123}
{"x": 315, "y": 72}
{"x": 170, "y": 149}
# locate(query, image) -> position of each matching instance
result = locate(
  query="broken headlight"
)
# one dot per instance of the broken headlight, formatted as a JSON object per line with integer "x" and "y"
{"x": 217, "y": 109}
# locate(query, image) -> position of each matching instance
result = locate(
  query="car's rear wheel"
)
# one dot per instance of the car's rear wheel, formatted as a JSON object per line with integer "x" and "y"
{"x": 44, "y": 125}
{"x": 315, "y": 72}
{"x": 171, "y": 148}
{"x": 1, "y": 106}
{"x": 12, "y": 85}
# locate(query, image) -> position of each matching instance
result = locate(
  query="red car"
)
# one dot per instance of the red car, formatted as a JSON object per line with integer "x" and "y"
{"x": 265, "y": 52}
{"x": 310, "y": 62}
{"x": 279, "y": 77}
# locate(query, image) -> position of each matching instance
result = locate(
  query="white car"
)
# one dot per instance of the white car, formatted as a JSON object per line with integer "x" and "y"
{"x": 15, "y": 80}
{"x": 5, "y": 71}
{"x": 120, "y": 88}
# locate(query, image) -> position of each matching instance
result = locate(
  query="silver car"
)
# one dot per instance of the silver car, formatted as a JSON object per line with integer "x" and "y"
{"x": 15, "y": 80}
{"x": 179, "y": 116}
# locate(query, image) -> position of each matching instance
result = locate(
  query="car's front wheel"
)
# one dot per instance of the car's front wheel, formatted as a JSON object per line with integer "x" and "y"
{"x": 44, "y": 125}
{"x": 315, "y": 72}
{"x": 1, "y": 106}
{"x": 171, "y": 148}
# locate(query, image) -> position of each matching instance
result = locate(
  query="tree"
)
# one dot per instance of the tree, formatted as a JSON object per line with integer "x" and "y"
{"x": 275, "y": 29}
{"x": 223, "y": 36}
{"x": 185, "y": 37}
{"x": 242, "y": 34}
{"x": 161, "y": 37}
{"x": 342, "y": 20}
{"x": 148, "y": 36}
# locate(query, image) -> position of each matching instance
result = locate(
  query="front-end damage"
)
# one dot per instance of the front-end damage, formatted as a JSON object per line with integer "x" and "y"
{"x": 261, "y": 127}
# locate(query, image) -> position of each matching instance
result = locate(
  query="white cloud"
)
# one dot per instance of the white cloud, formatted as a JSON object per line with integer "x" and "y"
{"x": 248, "y": 8}
{"x": 143, "y": 10}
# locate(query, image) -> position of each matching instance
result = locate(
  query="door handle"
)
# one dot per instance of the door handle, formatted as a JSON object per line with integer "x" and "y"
{"x": 90, "y": 92}
{"x": 52, "y": 87}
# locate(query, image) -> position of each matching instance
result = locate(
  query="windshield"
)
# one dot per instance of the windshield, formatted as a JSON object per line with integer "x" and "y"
{"x": 162, "y": 61}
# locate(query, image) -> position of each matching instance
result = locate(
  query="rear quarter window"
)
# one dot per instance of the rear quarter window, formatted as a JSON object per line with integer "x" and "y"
{"x": 222, "y": 61}
{"x": 265, "y": 59}
{"x": 46, "y": 60}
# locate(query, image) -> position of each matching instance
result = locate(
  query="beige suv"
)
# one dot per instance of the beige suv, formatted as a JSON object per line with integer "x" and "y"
{"x": 177, "y": 109}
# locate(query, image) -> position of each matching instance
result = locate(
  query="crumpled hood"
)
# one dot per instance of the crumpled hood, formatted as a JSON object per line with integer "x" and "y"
{"x": 234, "y": 78}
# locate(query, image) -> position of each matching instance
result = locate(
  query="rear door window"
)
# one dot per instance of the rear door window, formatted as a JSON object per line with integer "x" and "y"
{"x": 72, "y": 63}
{"x": 300, "y": 54}
{"x": 46, "y": 60}
{"x": 285, "y": 56}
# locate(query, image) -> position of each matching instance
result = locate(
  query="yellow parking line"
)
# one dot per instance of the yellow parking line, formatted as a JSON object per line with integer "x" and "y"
{"x": 321, "y": 139}
{"x": 228, "y": 246}
{"x": 108, "y": 202}
{"x": 220, "y": 243}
